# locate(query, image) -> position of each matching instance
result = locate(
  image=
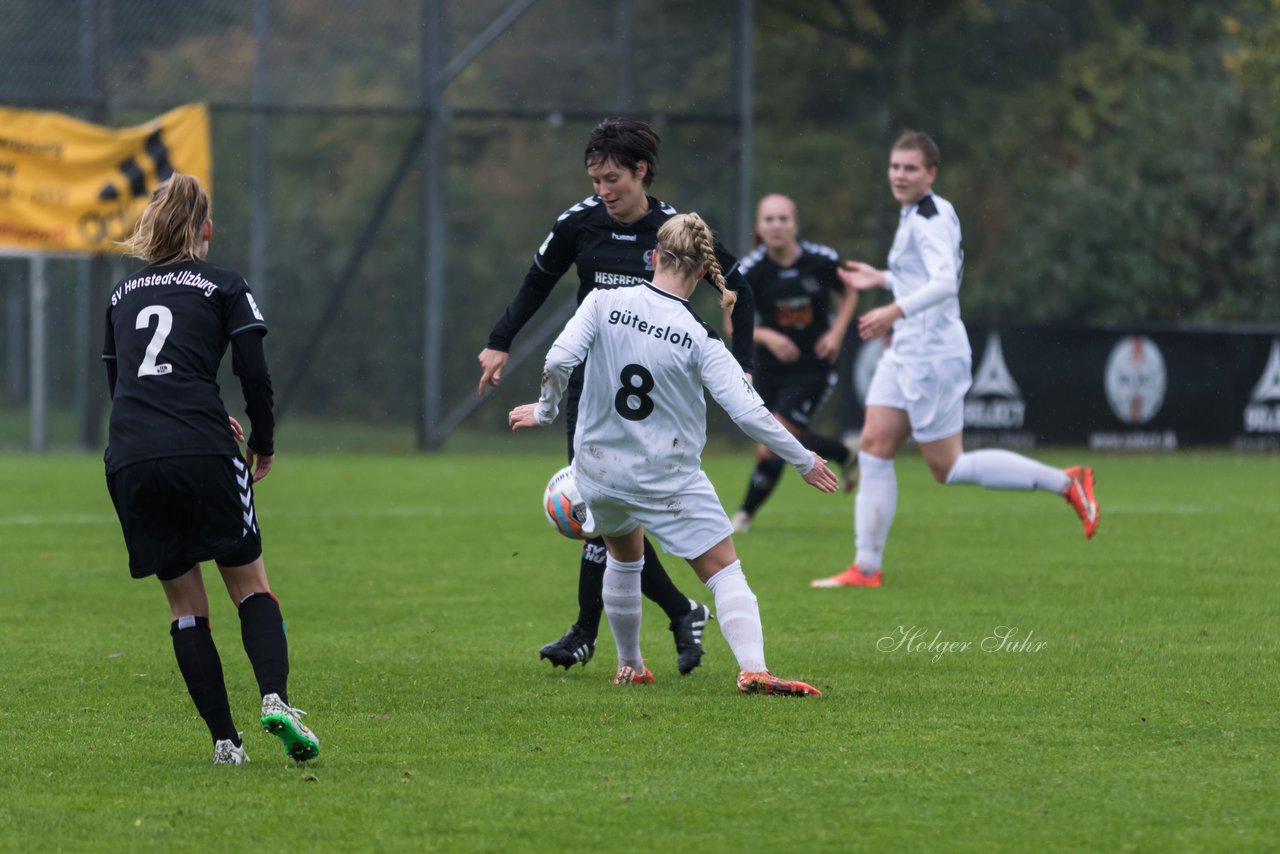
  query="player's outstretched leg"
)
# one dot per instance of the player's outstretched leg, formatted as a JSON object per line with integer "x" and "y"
{"x": 740, "y": 624}
{"x": 577, "y": 645}
{"x": 998, "y": 469}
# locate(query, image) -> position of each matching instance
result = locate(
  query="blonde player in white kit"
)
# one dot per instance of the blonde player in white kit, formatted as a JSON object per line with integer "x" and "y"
{"x": 642, "y": 424}
{"x": 919, "y": 385}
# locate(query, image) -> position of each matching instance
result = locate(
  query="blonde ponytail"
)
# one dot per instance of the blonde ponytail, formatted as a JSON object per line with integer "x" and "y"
{"x": 170, "y": 228}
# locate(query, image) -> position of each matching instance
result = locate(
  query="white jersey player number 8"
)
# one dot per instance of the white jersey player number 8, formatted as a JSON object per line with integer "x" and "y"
{"x": 164, "y": 325}
{"x": 637, "y": 382}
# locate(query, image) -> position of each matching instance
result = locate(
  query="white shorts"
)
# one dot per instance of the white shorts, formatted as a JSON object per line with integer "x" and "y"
{"x": 931, "y": 393}
{"x": 686, "y": 525}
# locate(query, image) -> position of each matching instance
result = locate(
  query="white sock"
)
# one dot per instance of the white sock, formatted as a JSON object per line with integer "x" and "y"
{"x": 995, "y": 469}
{"x": 622, "y": 600}
{"x": 873, "y": 510}
{"x": 739, "y": 617}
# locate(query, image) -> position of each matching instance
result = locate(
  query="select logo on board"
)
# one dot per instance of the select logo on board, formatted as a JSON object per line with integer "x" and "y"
{"x": 1262, "y": 413}
{"x": 994, "y": 401}
{"x": 994, "y": 409}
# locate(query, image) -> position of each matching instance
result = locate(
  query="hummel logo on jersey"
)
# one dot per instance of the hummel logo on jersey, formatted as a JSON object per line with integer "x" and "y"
{"x": 662, "y": 333}
{"x": 628, "y": 237}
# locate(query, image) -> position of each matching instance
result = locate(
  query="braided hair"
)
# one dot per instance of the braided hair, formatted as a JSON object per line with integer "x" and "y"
{"x": 687, "y": 242}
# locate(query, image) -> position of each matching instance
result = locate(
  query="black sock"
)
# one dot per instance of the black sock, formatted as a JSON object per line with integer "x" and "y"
{"x": 591, "y": 585}
{"x": 262, "y": 631}
{"x": 764, "y": 478}
{"x": 202, "y": 671}
{"x": 658, "y": 586}
{"x": 831, "y": 450}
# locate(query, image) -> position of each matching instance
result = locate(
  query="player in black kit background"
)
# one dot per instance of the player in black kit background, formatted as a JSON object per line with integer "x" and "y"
{"x": 610, "y": 238}
{"x": 181, "y": 490}
{"x": 798, "y": 340}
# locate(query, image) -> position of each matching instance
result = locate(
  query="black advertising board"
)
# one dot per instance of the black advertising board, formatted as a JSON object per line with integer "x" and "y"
{"x": 1137, "y": 389}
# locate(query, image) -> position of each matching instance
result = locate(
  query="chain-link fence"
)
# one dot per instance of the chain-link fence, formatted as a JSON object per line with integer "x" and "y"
{"x": 324, "y": 140}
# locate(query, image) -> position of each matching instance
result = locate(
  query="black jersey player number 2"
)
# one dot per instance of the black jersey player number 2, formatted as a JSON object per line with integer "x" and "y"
{"x": 164, "y": 325}
{"x": 637, "y": 382}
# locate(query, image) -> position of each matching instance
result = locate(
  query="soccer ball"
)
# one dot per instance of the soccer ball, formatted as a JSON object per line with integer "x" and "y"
{"x": 565, "y": 509}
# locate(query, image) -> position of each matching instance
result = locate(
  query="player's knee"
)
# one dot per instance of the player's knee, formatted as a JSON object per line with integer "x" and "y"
{"x": 877, "y": 445}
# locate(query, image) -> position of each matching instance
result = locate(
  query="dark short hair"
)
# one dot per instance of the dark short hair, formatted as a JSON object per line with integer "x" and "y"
{"x": 627, "y": 142}
{"x": 914, "y": 139}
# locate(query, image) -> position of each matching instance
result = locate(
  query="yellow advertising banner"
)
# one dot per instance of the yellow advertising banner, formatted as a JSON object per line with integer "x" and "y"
{"x": 70, "y": 186}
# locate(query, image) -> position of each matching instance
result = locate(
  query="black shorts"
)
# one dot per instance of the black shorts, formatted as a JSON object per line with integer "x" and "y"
{"x": 796, "y": 398}
{"x": 176, "y": 512}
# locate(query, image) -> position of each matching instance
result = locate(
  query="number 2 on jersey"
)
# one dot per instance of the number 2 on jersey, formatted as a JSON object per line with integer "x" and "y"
{"x": 637, "y": 382}
{"x": 164, "y": 325}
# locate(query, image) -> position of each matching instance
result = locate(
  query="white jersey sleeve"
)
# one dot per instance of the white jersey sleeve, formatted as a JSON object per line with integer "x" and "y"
{"x": 567, "y": 352}
{"x": 723, "y": 378}
{"x": 926, "y": 265}
{"x": 938, "y": 246}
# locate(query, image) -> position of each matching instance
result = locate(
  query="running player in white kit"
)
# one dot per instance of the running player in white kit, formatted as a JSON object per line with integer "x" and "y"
{"x": 639, "y": 439}
{"x": 919, "y": 385}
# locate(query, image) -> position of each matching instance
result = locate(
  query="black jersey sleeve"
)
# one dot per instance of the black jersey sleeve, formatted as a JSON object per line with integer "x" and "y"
{"x": 744, "y": 310}
{"x": 249, "y": 363}
{"x": 241, "y": 312}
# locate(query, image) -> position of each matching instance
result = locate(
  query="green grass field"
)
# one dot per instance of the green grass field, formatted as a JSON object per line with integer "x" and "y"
{"x": 1140, "y": 716}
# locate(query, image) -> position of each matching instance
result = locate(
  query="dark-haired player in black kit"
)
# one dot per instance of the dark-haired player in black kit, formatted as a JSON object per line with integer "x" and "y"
{"x": 610, "y": 238}
{"x": 797, "y": 342}
{"x": 182, "y": 491}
